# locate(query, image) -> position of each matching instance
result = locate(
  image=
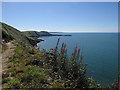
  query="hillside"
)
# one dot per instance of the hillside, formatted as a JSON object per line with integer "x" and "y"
{"x": 36, "y": 34}
{"x": 10, "y": 33}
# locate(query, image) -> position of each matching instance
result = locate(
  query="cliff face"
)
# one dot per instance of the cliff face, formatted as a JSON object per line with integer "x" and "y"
{"x": 10, "y": 33}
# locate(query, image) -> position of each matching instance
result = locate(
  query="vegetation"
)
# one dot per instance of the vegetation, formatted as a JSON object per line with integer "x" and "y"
{"x": 35, "y": 34}
{"x": 4, "y": 47}
{"x": 9, "y": 33}
{"x": 32, "y": 68}
{"x": 116, "y": 84}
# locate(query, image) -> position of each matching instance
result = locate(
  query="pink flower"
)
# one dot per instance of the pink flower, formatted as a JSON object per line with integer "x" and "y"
{"x": 82, "y": 54}
{"x": 63, "y": 44}
{"x": 65, "y": 49}
{"x": 81, "y": 63}
{"x": 78, "y": 49}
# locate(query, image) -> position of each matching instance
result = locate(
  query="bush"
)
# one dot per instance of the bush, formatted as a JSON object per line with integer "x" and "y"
{"x": 69, "y": 69}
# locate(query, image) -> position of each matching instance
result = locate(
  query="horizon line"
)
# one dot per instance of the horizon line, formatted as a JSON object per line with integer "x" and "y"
{"x": 73, "y": 31}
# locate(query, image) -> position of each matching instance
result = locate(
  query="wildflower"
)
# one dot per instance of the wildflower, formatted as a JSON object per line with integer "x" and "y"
{"x": 78, "y": 49}
{"x": 63, "y": 44}
{"x": 81, "y": 63}
{"x": 82, "y": 54}
{"x": 65, "y": 49}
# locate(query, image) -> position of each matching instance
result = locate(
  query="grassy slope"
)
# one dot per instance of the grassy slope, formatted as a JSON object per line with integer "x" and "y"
{"x": 10, "y": 33}
{"x": 23, "y": 72}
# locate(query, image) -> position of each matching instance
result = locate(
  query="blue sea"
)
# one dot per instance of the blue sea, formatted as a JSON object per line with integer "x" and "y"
{"x": 100, "y": 52}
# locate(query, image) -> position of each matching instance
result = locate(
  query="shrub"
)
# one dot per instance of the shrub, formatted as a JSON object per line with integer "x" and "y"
{"x": 65, "y": 68}
{"x": 14, "y": 83}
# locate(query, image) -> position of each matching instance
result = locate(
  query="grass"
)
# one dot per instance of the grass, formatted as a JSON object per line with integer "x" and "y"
{"x": 32, "y": 68}
{"x": 22, "y": 72}
{"x": 4, "y": 47}
{"x": 35, "y": 34}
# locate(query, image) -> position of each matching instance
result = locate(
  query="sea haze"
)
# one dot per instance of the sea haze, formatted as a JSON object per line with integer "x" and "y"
{"x": 100, "y": 52}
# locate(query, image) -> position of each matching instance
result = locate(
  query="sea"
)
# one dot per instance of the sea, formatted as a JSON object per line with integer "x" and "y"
{"x": 100, "y": 53}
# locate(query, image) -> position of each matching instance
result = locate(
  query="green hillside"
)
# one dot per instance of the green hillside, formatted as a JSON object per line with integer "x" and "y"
{"x": 10, "y": 33}
{"x": 36, "y": 34}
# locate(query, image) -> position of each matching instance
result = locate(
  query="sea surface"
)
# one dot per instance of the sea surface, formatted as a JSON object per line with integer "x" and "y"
{"x": 100, "y": 52}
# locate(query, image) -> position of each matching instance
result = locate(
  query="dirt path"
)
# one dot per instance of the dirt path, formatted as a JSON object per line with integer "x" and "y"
{"x": 5, "y": 55}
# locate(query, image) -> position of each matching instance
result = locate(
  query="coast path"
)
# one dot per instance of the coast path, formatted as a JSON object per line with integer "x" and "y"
{"x": 5, "y": 55}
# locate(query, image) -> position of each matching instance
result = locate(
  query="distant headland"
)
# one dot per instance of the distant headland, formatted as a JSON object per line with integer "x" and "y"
{"x": 37, "y": 34}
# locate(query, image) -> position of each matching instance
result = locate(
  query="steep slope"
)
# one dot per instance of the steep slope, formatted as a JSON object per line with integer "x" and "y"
{"x": 10, "y": 33}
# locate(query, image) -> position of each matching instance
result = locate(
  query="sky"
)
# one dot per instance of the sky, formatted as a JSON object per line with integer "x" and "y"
{"x": 61, "y": 16}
